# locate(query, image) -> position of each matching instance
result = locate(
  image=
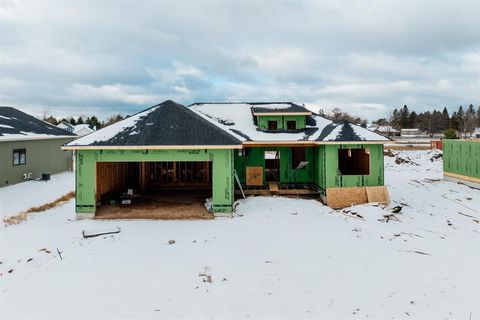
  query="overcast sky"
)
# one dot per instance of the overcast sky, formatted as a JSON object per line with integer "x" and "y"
{"x": 105, "y": 57}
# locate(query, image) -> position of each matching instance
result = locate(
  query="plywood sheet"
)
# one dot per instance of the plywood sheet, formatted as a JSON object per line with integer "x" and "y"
{"x": 254, "y": 176}
{"x": 378, "y": 194}
{"x": 273, "y": 186}
{"x": 338, "y": 198}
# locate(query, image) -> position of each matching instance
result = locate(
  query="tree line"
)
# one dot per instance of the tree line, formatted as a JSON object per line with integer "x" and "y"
{"x": 92, "y": 121}
{"x": 433, "y": 122}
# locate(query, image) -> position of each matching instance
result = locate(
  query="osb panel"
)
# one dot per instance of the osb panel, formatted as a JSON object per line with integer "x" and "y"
{"x": 378, "y": 194}
{"x": 338, "y": 198}
{"x": 254, "y": 176}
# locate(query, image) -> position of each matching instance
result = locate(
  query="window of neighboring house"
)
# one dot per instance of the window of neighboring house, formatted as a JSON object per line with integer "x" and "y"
{"x": 299, "y": 159}
{"x": 354, "y": 161}
{"x": 291, "y": 125}
{"x": 272, "y": 125}
{"x": 19, "y": 156}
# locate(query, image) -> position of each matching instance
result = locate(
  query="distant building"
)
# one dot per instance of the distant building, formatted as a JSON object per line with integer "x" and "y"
{"x": 412, "y": 133}
{"x": 476, "y": 133}
{"x": 79, "y": 130}
{"x": 30, "y": 147}
{"x": 387, "y": 131}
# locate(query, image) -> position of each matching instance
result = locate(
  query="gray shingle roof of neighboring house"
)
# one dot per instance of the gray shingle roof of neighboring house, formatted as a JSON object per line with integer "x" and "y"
{"x": 165, "y": 124}
{"x": 18, "y": 125}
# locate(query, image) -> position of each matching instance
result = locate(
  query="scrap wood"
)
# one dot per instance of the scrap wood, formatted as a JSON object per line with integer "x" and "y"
{"x": 388, "y": 217}
{"x": 351, "y": 214}
{"x": 96, "y": 233}
{"x": 419, "y": 252}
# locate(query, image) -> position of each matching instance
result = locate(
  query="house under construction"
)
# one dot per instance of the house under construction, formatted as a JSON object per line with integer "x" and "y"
{"x": 225, "y": 150}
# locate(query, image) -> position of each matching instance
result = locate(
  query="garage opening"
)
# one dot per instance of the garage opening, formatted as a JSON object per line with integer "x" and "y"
{"x": 153, "y": 190}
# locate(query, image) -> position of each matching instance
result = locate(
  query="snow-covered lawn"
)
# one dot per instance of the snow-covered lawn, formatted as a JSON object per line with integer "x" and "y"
{"x": 278, "y": 258}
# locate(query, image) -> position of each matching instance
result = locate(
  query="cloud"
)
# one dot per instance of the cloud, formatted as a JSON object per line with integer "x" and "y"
{"x": 367, "y": 57}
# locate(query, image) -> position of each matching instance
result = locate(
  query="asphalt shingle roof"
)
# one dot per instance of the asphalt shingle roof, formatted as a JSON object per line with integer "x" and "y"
{"x": 16, "y": 123}
{"x": 166, "y": 124}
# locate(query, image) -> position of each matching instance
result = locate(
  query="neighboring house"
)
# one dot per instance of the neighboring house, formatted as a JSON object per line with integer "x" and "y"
{"x": 387, "y": 131}
{"x": 412, "y": 133}
{"x": 82, "y": 130}
{"x": 267, "y": 148}
{"x": 30, "y": 147}
{"x": 461, "y": 161}
{"x": 476, "y": 133}
{"x": 79, "y": 130}
{"x": 66, "y": 126}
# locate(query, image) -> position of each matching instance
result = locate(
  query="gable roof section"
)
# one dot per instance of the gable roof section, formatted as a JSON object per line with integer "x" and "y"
{"x": 166, "y": 124}
{"x": 238, "y": 119}
{"x": 18, "y": 125}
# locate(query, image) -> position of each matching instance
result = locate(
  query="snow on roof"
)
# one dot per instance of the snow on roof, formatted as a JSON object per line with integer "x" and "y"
{"x": 386, "y": 129}
{"x": 278, "y": 107}
{"x": 112, "y": 130}
{"x": 84, "y": 127}
{"x": 166, "y": 124}
{"x": 17, "y": 125}
{"x": 238, "y": 120}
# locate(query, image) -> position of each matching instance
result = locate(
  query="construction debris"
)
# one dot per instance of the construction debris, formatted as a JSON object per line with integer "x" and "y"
{"x": 171, "y": 241}
{"x": 96, "y": 233}
{"x": 396, "y": 209}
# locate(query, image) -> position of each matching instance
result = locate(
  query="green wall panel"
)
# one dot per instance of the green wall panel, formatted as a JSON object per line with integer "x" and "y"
{"x": 281, "y": 121}
{"x": 462, "y": 157}
{"x": 334, "y": 179}
{"x": 255, "y": 157}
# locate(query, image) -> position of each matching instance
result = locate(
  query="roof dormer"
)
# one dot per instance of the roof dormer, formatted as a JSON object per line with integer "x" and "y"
{"x": 285, "y": 116}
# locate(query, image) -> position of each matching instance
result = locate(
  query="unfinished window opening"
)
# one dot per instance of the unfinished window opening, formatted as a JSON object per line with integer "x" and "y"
{"x": 299, "y": 158}
{"x": 354, "y": 161}
{"x": 272, "y": 125}
{"x": 291, "y": 125}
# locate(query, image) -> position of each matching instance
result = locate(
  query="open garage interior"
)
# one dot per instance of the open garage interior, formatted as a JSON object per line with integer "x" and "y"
{"x": 153, "y": 190}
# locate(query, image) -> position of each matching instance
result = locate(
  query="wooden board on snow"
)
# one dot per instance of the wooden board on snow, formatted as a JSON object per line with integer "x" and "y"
{"x": 99, "y": 232}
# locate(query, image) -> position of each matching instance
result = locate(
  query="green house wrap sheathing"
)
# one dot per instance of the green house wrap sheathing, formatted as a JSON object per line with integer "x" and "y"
{"x": 327, "y": 173}
{"x": 222, "y": 170}
{"x": 322, "y": 169}
{"x": 255, "y": 157}
{"x": 462, "y": 157}
{"x": 281, "y": 121}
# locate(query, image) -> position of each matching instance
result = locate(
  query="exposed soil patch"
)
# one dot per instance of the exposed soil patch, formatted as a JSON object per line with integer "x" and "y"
{"x": 16, "y": 219}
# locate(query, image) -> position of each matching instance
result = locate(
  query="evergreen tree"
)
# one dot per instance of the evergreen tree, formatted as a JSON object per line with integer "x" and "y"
{"x": 80, "y": 120}
{"x": 93, "y": 122}
{"x": 404, "y": 114}
{"x": 469, "y": 120}
{"x": 478, "y": 116}
{"x": 412, "y": 120}
{"x": 445, "y": 119}
{"x": 72, "y": 121}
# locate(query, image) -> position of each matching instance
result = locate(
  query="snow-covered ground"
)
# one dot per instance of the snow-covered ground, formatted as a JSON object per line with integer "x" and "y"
{"x": 278, "y": 258}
